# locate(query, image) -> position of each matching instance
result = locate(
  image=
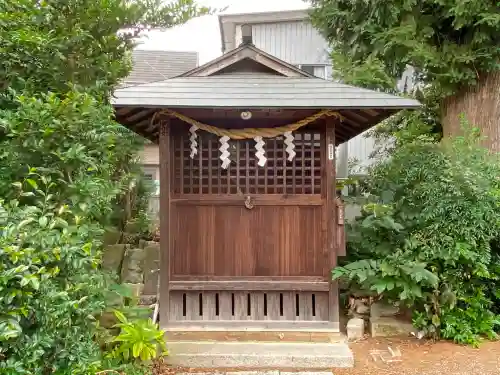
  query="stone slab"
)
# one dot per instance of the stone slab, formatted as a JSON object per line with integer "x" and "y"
{"x": 386, "y": 327}
{"x": 133, "y": 266}
{"x": 112, "y": 257}
{"x": 262, "y": 336}
{"x": 259, "y": 355}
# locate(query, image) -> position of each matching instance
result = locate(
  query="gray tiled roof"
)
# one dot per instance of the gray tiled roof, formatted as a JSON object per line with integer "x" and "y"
{"x": 151, "y": 66}
{"x": 250, "y": 90}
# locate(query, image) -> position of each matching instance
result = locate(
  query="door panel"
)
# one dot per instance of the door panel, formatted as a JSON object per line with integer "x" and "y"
{"x": 235, "y": 241}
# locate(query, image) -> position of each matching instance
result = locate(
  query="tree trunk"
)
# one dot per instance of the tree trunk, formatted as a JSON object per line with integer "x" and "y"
{"x": 481, "y": 106}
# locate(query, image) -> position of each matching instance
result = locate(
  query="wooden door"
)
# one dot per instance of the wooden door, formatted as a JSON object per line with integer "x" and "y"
{"x": 249, "y": 242}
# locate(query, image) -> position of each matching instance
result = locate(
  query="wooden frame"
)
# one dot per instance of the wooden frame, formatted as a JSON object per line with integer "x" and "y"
{"x": 238, "y": 294}
{"x": 164, "y": 149}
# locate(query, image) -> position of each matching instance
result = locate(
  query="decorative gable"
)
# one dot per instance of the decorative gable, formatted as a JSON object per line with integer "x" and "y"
{"x": 247, "y": 59}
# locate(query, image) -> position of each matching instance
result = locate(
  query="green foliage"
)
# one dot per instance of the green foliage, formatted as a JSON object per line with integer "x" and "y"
{"x": 50, "y": 45}
{"x": 50, "y": 288}
{"x": 66, "y": 166}
{"x": 430, "y": 216}
{"x": 137, "y": 340}
{"x": 447, "y": 42}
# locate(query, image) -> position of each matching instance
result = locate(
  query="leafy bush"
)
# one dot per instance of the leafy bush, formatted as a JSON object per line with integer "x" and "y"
{"x": 50, "y": 290}
{"x": 137, "y": 340}
{"x": 430, "y": 215}
{"x": 65, "y": 167}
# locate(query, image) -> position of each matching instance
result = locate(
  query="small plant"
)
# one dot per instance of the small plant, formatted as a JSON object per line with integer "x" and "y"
{"x": 138, "y": 340}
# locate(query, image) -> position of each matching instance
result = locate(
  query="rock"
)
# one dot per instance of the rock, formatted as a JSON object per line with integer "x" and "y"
{"x": 112, "y": 257}
{"x": 111, "y": 237}
{"x": 147, "y": 300}
{"x": 132, "y": 227}
{"x": 383, "y": 309}
{"x": 151, "y": 267}
{"x": 355, "y": 329}
{"x": 390, "y": 326}
{"x": 132, "y": 267}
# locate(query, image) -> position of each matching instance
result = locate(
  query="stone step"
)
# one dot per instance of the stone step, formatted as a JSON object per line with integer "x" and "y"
{"x": 262, "y": 336}
{"x": 259, "y": 355}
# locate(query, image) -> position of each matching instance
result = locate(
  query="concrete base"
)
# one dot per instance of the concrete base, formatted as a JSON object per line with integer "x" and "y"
{"x": 260, "y": 355}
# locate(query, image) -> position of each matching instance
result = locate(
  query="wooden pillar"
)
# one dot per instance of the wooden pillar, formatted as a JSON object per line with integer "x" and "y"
{"x": 164, "y": 150}
{"x": 331, "y": 220}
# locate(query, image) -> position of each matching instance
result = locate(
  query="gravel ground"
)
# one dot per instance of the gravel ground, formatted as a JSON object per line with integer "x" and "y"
{"x": 424, "y": 358}
{"x": 417, "y": 358}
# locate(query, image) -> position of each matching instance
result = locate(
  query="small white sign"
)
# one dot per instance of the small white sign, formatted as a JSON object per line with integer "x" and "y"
{"x": 331, "y": 152}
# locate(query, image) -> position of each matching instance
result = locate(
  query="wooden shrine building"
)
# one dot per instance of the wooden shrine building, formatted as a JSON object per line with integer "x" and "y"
{"x": 250, "y": 227}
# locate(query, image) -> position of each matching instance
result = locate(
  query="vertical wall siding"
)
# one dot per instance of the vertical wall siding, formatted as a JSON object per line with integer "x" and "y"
{"x": 295, "y": 42}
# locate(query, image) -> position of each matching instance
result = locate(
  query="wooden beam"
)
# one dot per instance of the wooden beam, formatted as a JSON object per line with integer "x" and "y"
{"x": 164, "y": 150}
{"x": 331, "y": 218}
{"x": 248, "y": 285}
{"x": 285, "y": 279}
{"x": 257, "y": 199}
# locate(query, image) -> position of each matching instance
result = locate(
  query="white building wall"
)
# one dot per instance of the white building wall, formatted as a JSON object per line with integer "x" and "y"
{"x": 295, "y": 42}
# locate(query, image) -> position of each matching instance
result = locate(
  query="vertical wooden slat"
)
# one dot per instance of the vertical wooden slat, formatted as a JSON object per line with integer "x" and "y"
{"x": 165, "y": 177}
{"x": 238, "y": 182}
{"x": 191, "y": 169}
{"x": 176, "y": 307}
{"x": 228, "y": 171}
{"x": 266, "y": 168}
{"x": 313, "y": 162}
{"x": 225, "y": 306}
{"x": 247, "y": 167}
{"x": 273, "y": 306}
{"x": 322, "y": 306}
{"x": 331, "y": 219}
{"x": 209, "y": 166}
{"x": 219, "y": 169}
{"x": 181, "y": 179}
{"x": 257, "y": 305}
{"x": 209, "y": 305}
{"x": 289, "y": 306}
{"x": 305, "y": 306}
{"x": 200, "y": 165}
{"x": 303, "y": 164}
{"x": 193, "y": 306}
{"x": 240, "y": 306}
{"x": 284, "y": 167}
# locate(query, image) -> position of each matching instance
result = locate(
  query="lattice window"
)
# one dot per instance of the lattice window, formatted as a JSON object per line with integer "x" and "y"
{"x": 204, "y": 174}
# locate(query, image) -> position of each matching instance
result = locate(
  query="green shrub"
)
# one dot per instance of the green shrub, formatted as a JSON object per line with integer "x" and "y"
{"x": 430, "y": 215}
{"x": 50, "y": 290}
